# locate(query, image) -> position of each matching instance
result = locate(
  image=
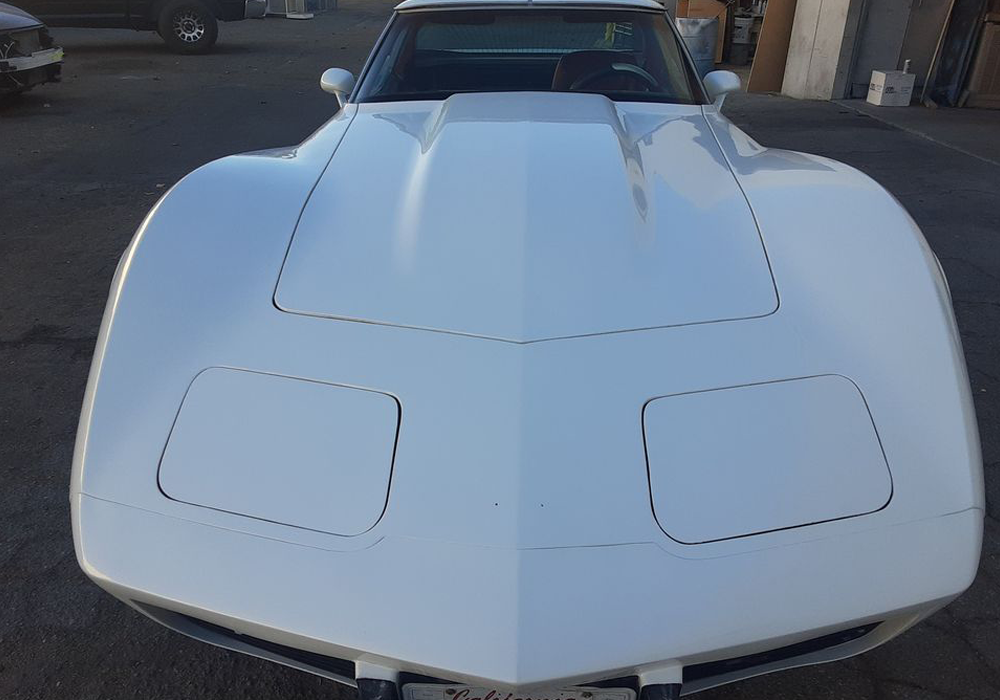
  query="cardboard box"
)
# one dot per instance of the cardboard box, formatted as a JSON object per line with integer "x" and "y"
{"x": 891, "y": 88}
{"x": 768, "y": 69}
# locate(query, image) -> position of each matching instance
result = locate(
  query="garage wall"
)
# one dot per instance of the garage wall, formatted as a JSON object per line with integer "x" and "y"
{"x": 835, "y": 44}
{"x": 820, "y": 48}
{"x": 927, "y": 18}
{"x": 883, "y": 30}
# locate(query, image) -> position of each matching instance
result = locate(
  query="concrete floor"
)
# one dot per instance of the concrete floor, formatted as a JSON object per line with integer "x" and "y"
{"x": 975, "y": 132}
{"x": 84, "y": 160}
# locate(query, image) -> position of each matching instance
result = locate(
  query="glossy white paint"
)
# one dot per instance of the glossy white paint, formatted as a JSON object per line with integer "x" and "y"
{"x": 284, "y": 450}
{"x": 482, "y": 232}
{"x": 752, "y": 459}
{"x": 520, "y": 506}
{"x": 337, "y": 82}
{"x": 718, "y": 84}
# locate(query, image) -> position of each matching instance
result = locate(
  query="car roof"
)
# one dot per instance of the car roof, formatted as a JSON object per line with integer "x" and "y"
{"x": 455, "y": 4}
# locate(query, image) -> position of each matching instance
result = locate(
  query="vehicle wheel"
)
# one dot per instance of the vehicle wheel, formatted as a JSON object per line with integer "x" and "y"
{"x": 188, "y": 26}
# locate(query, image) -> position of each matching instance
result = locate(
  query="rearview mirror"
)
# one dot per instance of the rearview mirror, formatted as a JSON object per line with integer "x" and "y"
{"x": 338, "y": 82}
{"x": 720, "y": 83}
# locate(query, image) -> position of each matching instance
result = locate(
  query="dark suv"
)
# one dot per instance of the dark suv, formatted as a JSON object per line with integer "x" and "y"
{"x": 187, "y": 26}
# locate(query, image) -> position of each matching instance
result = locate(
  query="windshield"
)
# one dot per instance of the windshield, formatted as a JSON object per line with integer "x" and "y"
{"x": 626, "y": 55}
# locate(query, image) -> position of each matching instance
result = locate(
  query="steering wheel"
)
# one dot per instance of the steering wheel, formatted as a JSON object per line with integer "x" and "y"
{"x": 614, "y": 69}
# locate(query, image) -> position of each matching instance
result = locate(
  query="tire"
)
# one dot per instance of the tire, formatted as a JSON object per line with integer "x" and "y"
{"x": 187, "y": 26}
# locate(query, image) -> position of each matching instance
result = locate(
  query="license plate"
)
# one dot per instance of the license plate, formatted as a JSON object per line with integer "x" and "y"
{"x": 431, "y": 691}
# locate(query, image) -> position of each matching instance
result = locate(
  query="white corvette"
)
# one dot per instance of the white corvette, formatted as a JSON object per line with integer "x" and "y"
{"x": 530, "y": 375}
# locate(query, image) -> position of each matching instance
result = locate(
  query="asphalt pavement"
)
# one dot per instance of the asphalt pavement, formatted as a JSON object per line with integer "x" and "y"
{"x": 82, "y": 162}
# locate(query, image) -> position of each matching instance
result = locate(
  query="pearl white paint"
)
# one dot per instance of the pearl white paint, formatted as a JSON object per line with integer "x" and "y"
{"x": 300, "y": 453}
{"x": 338, "y": 82}
{"x": 518, "y": 545}
{"x": 489, "y": 236}
{"x": 752, "y": 459}
{"x": 720, "y": 83}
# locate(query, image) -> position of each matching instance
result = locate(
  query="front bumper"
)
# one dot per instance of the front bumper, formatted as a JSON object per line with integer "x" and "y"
{"x": 38, "y": 59}
{"x": 527, "y": 617}
{"x": 24, "y": 72}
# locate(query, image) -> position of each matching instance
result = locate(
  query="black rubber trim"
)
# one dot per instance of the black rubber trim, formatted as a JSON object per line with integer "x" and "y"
{"x": 697, "y": 672}
{"x": 405, "y": 678}
{"x": 377, "y": 689}
{"x": 391, "y": 691}
{"x": 661, "y": 691}
{"x": 630, "y": 682}
{"x": 341, "y": 667}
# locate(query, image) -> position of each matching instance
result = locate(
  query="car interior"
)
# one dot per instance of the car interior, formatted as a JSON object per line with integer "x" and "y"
{"x": 625, "y": 55}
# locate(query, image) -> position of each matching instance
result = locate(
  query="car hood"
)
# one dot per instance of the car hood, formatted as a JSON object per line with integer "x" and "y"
{"x": 12, "y": 18}
{"x": 527, "y": 217}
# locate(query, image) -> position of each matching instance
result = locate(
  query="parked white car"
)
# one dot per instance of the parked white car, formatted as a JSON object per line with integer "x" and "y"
{"x": 530, "y": 375}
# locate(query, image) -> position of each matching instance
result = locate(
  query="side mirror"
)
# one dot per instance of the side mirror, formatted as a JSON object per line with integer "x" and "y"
{"x": 340, "y": 82}
{"x": 720, "y": 83}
